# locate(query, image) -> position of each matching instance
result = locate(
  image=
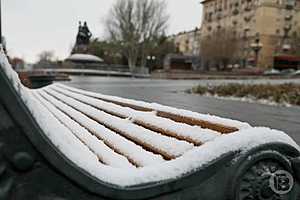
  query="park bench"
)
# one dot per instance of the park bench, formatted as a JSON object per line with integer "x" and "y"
{"x": 63, "y": 143}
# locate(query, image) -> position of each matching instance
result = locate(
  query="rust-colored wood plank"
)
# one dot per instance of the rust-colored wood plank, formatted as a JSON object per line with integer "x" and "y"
{"x": 183, "y": 119}
{"x": 202, "y": 123}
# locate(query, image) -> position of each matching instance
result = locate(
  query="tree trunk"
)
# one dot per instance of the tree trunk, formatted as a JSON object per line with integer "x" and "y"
{"x": 132, "y": 63}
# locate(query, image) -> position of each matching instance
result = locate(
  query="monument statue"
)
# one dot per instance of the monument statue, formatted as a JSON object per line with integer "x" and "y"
{"x": 83, "y": 38}
{"x": 84, "y": 35}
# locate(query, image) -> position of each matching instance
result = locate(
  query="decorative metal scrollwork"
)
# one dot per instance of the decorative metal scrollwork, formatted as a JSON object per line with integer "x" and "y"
{"x": 255, "y": 184}
{"x": 9, "y": 168}
{"x": 6, "y": 180}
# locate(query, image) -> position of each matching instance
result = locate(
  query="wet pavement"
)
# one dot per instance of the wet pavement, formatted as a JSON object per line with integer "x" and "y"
{"x": 170, "y": 92}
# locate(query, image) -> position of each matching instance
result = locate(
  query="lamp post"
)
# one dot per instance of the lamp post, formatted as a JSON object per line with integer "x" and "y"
{"x": 151, "y": 61}
{"x": 256, "y": 46}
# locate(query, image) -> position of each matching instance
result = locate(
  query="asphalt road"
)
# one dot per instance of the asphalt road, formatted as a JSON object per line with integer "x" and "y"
{"x": 170, "y": 92}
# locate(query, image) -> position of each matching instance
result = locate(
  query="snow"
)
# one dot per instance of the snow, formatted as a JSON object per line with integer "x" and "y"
{"x": 158, "y": 107}
{"x": 135, "y": 153}
{"x": 84, "y": 57}
{"x": 191, "y": 133}
{"x": 250, "y": 99}
{"x": 106, "y": 154}
{"x": 272, "y": 72}
{"x": 168, "y": 146}
{"x": 76, "y": 152}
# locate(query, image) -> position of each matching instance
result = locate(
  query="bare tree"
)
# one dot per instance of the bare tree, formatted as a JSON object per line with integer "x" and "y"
{"x": 295, "y": 43}
{"x": 135, "y": 24}
{"x": 220, "y": 48}
{"x": 45, "y": 60}
{"x": 46, "y": 56}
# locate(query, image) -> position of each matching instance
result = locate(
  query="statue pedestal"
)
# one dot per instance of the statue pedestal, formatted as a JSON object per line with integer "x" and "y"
{"x": 82, "y": 48}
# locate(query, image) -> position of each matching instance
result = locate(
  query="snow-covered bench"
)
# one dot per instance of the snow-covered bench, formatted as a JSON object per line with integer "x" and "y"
{"x": 63, "y": 143}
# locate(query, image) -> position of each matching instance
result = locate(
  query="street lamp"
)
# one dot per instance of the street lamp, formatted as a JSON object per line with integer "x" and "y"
{"x": 256, "y": 47}
{"x": 286, "y": 47}
{"x": 151, "y": 61}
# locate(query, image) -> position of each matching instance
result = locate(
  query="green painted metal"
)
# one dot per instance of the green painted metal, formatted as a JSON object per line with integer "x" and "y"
{"x": 31, "y": 167}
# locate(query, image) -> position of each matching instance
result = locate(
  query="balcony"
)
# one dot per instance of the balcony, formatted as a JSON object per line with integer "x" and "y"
{"x": 235, "y": 11}
{"x": 247, "y": 8}
{"x": 247, "y": 18}
{"x": 288, "y": 27}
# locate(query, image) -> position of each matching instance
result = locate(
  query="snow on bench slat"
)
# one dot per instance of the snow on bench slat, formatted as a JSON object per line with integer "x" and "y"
{"x": 193, "y": 134}
{"x": 166, "y": 146}
{"x": 105, "y": 154}
{"x": 75, "y": 152}
{"x": 157, "y": 107}
{"x": 134, "y": 153}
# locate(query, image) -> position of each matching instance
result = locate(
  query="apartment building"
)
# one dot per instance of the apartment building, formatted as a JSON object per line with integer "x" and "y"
{"x": 267, "y": 31}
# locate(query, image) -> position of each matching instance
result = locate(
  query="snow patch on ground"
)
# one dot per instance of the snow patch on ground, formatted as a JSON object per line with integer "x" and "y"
{"x": 250, "y": 100}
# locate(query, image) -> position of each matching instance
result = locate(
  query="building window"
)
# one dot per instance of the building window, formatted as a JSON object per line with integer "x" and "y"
{"x": 234, "y": 33}
{"x": 290, "y": 4}
{"x": 210, "y": 16}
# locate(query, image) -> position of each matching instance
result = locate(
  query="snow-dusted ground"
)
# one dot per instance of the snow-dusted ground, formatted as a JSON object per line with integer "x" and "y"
{"x": 72, "y": 127}
{"x": 250, "y": 100}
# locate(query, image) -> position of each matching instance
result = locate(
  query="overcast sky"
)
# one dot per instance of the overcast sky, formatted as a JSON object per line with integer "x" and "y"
{"x": 31, "y": 26}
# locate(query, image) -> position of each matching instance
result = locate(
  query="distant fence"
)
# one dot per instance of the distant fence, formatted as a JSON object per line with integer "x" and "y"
{"x": 103, "y": 67}
{"x": 88, "y": 72}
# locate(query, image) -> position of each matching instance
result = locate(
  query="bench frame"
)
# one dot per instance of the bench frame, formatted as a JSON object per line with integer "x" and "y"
{"x": 31, "y": 167}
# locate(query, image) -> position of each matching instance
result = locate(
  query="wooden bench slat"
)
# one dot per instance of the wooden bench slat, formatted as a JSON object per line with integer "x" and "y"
{"x": 224, "y": 129}
{"x": 134, "y": 153}
{"x": 168, "y": 147}
{"x": 196, "y": 122}
{"x": 149, "y": 120}
{"x": 105, "y": 154}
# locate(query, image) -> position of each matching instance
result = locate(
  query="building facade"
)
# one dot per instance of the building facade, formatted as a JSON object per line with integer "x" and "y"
{"x": 266, "y": 31}
{"x": 188, "y": 42}
{"x": 187, "y": 55}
